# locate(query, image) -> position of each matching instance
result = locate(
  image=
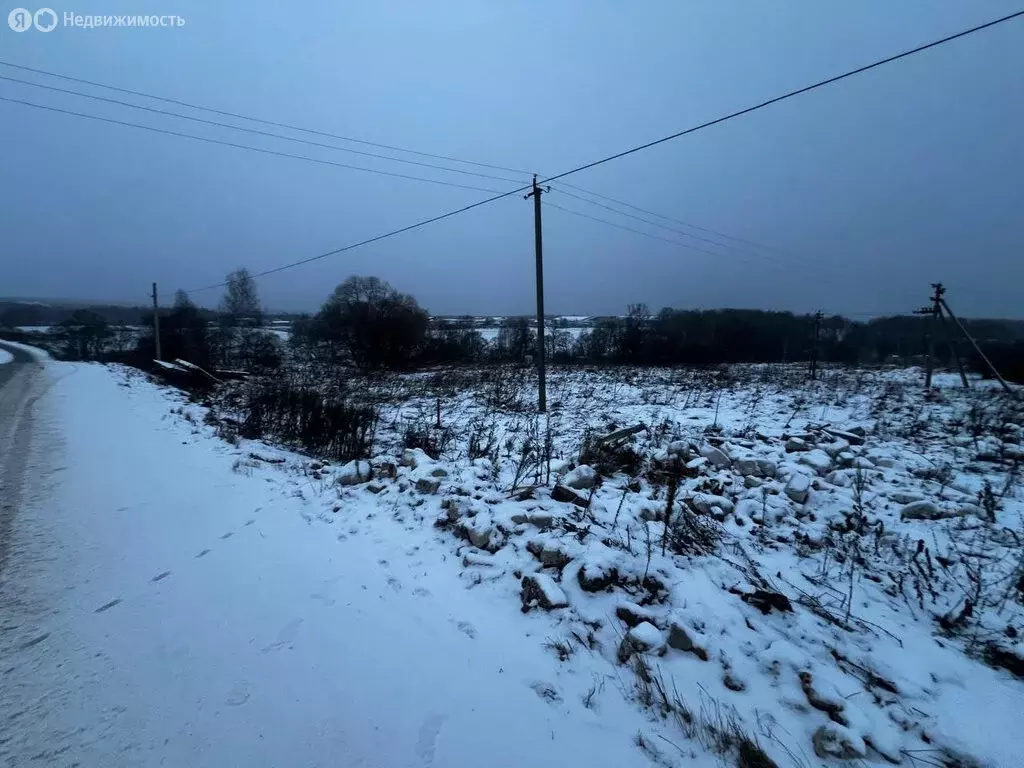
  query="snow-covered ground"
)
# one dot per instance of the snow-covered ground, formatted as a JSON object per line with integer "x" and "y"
{"x": 829, "y": 582}
{"x": 5, "y": 356}
{"x": 170, "y": 600}
{"x": 233, "y": 603}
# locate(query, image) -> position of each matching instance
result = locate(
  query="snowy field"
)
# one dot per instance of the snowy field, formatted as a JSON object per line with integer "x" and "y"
{"x": 840, "y": 561}
{"x": 768, "y": 572}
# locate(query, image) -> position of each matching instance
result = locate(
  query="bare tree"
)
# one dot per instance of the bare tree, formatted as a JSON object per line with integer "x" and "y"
{"x": 241, "y": 302}
{"x": 182, "y": 301}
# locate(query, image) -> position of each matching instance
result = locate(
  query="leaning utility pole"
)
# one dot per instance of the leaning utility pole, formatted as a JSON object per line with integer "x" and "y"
{"x": 963, "y": 330}
{"x": 939, "y": 303}
{"x": 156, "y": 325}
{"x": 542, "y": 396}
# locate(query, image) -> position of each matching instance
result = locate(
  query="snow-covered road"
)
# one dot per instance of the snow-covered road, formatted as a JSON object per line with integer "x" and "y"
{"x": 159, "y": 608}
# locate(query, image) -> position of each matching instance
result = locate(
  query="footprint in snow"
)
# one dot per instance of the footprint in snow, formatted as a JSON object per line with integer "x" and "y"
{"x": 204, "y": 553}
{"x": 285, "y": 637}
{"x": 426, "y": 744}
{"x": 238, "y": 695}
{"x": 468, "y": 629}
{"x": 227, "y": 535}
{"x": 395, "y": 584}
{"x": 161, "y": 576}
{"x": 422, "y": 592}
{"x": 546, "y": 691}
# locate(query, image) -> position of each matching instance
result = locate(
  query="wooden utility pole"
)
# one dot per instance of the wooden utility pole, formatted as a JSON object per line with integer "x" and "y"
{"x": 963, "y": 330}
{"x": 933, "y": 313}
{"x": 542, "y": 397}
{"x": 818, "y": 317}
{"x": 156, "y": 325}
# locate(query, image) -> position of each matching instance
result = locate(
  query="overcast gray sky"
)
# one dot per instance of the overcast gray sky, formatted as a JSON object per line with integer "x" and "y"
{"x": 869, "y": 189}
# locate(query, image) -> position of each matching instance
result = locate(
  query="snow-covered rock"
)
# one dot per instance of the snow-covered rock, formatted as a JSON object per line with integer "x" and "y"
{"x": 415, "y": 457}
{"x": 541, "y": 590}
{"x": 716, "y": 456}
{"x": 834, "y": 740}
{"x": 905, "y": 497}
{"x": 548, "y": 553}
{"x": 643, "y": 638}
{"x": 707, "y": 503}
{"x": 559, "y": 467}
{"x": 541, "y": 518}
{"x": 354, "y": 472}
{"x": 798, "y": 487}
{"x": 384, "y": 466}
{"x": 680, "y": 638}
{"x": 797, "y": 445}
{"x": 835, "y": 447}
{"x": 479, "y": 535}
{"x": 632, "y": 614}
{"x": 596, "y": 576}
{"x": 584, "y": 477}
{"x": 921, "y": 510}
{"x": 816, "y": 459}
{"x": 427, "y": 485}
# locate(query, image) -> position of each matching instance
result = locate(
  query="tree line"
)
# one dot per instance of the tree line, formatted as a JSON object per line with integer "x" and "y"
{"x": 367, "y": 323}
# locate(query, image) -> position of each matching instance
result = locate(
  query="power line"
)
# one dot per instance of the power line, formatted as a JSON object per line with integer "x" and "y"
{"x": 630, "y": 229}
{"x": 787, "y": 95}
{"x": 618, "y": 155}
{"x": 647, "y": 234}
{"x": 255, "y": 131}
{"x": 680, "y": 222}
{"x": 708, "y": 124}
{"x": 262, "y": 150}
{"x": 328, "y": 146}
{"x": 372, "y": 239}
{"x": 680, "y": 232}
{"x": 237, "y": 116}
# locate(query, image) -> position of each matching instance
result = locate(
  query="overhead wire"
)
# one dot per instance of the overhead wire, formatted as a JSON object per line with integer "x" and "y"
{"x": 679, "y": 243}
{"x": 261, "y": 150}
{"x": 679, "y": 231}
{"x": 327, "y": 146}
{"x": 237, "y": 116}
{"x": 336, "y": 136}
{"x": 783, "y": 97}
{"x": 678, "y": 134}
{"x": 601, "y": 161}
{"x": 255, "y": 131}
{"x": 680, "y": 222}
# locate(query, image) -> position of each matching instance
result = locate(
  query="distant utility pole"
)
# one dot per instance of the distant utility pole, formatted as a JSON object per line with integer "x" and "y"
{"x": 813, "y": 370}
{"x": 542, "y": 396}
{"x": 933, "y": 313}
{"x": 938, "y": 302}
{"x": 156, "y": 325}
